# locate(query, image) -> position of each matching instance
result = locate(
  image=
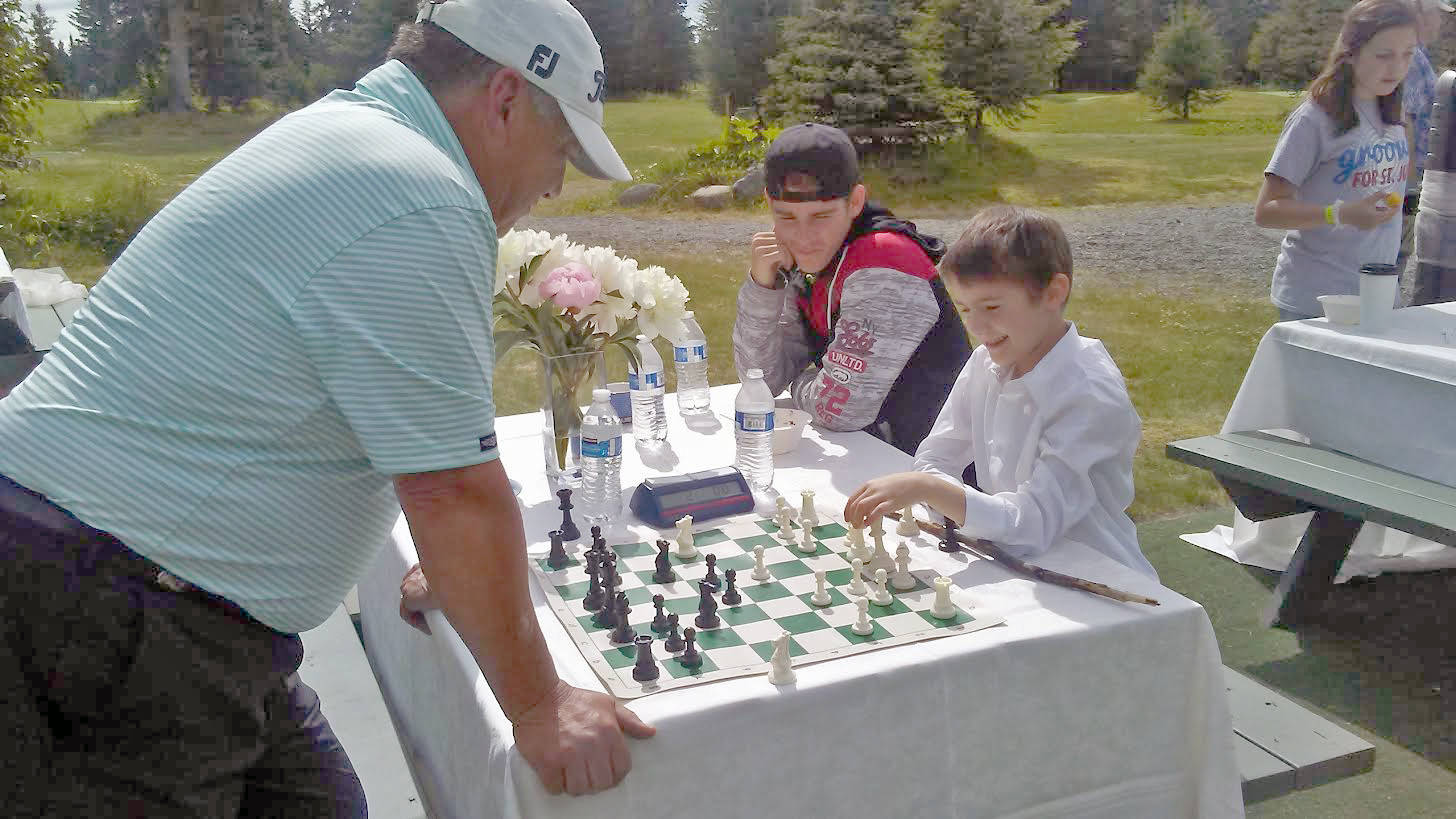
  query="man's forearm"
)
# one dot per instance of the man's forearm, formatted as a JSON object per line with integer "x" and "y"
{"x": 472, "y": 548}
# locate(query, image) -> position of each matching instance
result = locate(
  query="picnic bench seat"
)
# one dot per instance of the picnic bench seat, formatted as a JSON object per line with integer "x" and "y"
{"x": 334, "y": 665}
{"x": 1268, "y": 476}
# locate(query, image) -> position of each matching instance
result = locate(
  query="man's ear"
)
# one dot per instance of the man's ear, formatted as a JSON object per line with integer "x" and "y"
{"x": 499, "y": 100}
{"x": 857, "y": 199}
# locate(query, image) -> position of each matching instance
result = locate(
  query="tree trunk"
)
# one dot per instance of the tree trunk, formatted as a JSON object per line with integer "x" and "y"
{"x": 179, "y": 76}
{"x": 1186, "y": 97}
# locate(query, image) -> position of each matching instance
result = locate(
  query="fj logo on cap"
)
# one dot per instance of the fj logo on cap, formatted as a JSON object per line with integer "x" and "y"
{"x": 543, "y": 62}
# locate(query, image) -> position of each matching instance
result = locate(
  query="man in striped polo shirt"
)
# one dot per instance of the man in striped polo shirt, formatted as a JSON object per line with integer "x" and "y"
{"x": 295, "y": 348}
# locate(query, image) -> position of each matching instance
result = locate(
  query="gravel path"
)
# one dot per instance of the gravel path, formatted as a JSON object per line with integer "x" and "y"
{"x": 1170, "y": 247}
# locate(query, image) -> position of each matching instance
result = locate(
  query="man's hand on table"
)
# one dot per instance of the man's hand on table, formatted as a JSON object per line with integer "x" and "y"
{"x": 415, "y": 598}
{"x": 574, "y": 740}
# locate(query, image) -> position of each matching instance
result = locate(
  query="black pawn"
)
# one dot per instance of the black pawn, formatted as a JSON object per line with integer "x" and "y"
{"x": 663, "y": 573}
{"x": 598, "y": 542}
{"x": 608, "y": 571}
{"x": 593, "y": 599}
{"x": 731, "y": 597}
{"x": 707, "y": 607}
{"x": 690, "y": 656}
{"x": 948, "y": 542}
{"x": 557, "y": 558}
{"x": 646, "y": 668}
{"x": 568, "y": 526}
{"x": 606, "y": 616}
{"x": 659, "y": 620}
{"x": 674, "y": 641}
{"x": 711, "y": 578}
{"x": 623, "y": 633}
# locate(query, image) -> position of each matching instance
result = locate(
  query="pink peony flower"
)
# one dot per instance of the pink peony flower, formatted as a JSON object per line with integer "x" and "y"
{"x": 571, "y": 285}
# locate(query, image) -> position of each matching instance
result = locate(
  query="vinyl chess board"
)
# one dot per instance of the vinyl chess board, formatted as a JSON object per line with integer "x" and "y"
{"x": 743, "y": 643}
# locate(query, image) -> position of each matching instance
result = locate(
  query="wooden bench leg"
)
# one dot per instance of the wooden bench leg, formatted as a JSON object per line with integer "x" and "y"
{"x": 1311, "y": 572}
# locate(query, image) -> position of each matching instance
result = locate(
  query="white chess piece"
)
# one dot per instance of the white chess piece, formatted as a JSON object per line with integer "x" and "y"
{"x": 941, "y": 608}
{"x": 685, "y": 548}
{"x": 808, "y": 515}
{"x": 780, "y": 665}
{"x": 903, "y": 579}
{"x": 863, "y": 626}
{"x": 760, "y": 571}
{"x": 881, "y": 558}
{"x": 857, "y": 542}
{"x": 856, "y": 580}
{"x": 821, "y": 596}
{"x": 806, "y": 541}
{"x": 882, "y": 589}
{"x": 785, "y": 520}
{"x": 907, "y": 526}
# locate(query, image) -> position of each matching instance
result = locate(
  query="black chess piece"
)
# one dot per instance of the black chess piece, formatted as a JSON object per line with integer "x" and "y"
{"x": 623, "y": 609}
{"x": 593, "y": 599}
{"x": 623, "y": 633}
{"x": 707, "y": 607}
{"x": 731, "y": 597}
{"x": 948, "y": 541}
{"x": 606, "y": 616}
{"x": 568, "y": 526}
{"x": 646, "y": 668}
{"x": 616, "y": 569}
{"x": 711, "y": 578}
{"x": 659, "y": 620}
{"x": 598, "y": 542}
{"x": 674, "y": 641}
{"x": 663, "y": 572}
{"x": 557, "y": 558}
{"x": 690, "y": 658}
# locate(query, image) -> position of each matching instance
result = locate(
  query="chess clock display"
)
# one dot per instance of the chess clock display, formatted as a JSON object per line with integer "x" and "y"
{"x": 712, "y": 493}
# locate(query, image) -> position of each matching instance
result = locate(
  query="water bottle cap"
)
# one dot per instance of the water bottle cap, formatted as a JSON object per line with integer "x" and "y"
{"x": 754, "y": 373}
{"x": 687, "y": 314}
{"x": 601, "y": 394}
{"x": 642, "y": 338}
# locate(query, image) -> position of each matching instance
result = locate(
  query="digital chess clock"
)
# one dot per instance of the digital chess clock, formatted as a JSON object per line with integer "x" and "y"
{"x": 712, "y": 493}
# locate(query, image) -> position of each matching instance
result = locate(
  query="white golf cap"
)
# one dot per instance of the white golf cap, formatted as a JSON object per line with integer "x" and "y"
{"x": 550, "y": 43}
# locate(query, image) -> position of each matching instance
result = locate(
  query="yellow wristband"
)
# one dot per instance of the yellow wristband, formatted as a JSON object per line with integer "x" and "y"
{"x": 1329, "y": 214}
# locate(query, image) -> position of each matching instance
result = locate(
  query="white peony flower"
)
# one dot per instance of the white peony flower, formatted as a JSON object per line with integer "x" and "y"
{"x": 663, "y": 300}
{"x": 515, "y": 249}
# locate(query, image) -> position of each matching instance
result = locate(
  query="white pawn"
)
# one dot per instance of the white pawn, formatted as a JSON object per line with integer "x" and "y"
{"x": 856, "y": 582}
{"x": 760, "y": 571}
{"x": 685, "y": 548}
{"x": 808, "y": 515}
{"x": 780, "y": 665}
{"x": 907, "y": 526}
{"x": 857, "y": 546}
{"x": 806, "y": 541}
{"x": 821, "y": 596}
{"x": 941, "y": 608}
{"x": 785, "y": 520}
{"x": 903, "y": 579}
{"x": 863, "y": 626}
{"x": 882, "y": 589}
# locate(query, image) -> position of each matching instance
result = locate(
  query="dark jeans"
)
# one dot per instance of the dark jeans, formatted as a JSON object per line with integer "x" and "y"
{"x": 120, "y": 697}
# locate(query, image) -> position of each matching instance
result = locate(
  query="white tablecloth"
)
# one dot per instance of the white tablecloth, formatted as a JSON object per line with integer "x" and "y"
{"x": 1078, "y": 706}
{"x": 1387, "y": 397}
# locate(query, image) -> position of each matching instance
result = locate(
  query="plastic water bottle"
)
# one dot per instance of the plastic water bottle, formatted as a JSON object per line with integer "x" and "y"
{"x": 601, "y": 461}
{"x": 647, "y": 383}
{"x": 690, "y": 360}
{"x": 753, "y": 423}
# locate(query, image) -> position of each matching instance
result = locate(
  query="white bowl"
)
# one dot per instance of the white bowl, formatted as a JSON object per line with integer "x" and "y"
{"x": 788, "y": 428}
{"x": 1341, "y": 309}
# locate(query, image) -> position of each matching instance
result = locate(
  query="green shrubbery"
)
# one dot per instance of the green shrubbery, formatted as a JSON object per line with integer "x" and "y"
{"x": 719, "y": 161}
{"x": 31, "y": 222}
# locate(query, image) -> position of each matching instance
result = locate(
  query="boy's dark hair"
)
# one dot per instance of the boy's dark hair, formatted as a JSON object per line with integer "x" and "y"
{"x": 1008, "y": 242}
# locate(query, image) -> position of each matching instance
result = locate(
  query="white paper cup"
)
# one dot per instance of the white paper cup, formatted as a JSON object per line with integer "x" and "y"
{"x": 1379, "y": 284}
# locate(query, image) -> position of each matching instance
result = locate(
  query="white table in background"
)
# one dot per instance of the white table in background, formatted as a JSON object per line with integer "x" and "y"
{"x": 1078, "y": 706}
{"x": 1386, "y": 397}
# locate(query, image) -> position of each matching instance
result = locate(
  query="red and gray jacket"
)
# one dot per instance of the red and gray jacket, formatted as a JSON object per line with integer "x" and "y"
{"x": 872, "y": 343}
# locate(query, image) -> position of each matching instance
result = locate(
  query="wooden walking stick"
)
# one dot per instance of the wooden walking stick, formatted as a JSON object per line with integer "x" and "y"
{"x": 990, "y": 550}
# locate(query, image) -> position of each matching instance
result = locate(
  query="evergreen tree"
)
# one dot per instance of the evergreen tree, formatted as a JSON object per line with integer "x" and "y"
{"x": 1236, "y": 21}
{"x": 992, "y": 56}
{"x": 1290, "y": 45}
{"x": 737, "y": 39}
{"x": 42, "y": 33}
{"x": 663, "y": 42}
{"x": 1114, "y": 40}
{"x": 22, "y": 85}
{"x": 848, "y": 63}
{"x": 1186, "y": 68}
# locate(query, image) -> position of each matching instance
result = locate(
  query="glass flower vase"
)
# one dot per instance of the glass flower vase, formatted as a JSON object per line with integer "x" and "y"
{"x": 567, "y": 382}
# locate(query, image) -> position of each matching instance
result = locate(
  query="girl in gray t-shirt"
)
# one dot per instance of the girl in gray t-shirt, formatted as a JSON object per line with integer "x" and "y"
{"x": 1339, "y": 171}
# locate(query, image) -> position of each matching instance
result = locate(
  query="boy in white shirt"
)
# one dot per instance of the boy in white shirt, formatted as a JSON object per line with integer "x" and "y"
{"x": 1041, "y": 412}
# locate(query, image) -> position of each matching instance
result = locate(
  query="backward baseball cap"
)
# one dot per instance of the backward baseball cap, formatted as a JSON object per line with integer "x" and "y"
{"x": 550, "y": 43}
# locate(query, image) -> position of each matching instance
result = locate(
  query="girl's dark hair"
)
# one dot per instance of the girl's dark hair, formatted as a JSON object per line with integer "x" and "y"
{"x": 1334, "y": 89}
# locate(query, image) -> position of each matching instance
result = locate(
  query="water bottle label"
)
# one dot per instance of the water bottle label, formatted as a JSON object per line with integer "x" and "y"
{"x": 754, "y": 421}
{"x": 609, "y": 448}
{"x": 690, "y": 355}
{"x": 653, "y": 380}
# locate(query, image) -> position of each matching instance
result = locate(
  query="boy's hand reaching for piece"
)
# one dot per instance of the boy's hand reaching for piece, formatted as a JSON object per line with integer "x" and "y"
{"x": 883, "y": 495}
